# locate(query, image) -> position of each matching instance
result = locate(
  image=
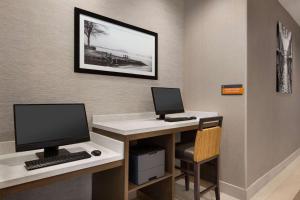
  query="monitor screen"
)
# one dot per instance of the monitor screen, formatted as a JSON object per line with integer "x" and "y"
{"x": 40, "y": 126}
{"x": 167, "y": 100}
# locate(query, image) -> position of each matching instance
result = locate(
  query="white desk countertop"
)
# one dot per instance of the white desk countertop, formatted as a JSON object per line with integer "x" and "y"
{"x": 129, "y": 124}
{"x": 13, "y": 172}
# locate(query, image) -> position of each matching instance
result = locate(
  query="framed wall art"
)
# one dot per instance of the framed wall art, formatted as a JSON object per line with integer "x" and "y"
{"x": 110, "y": 47}
{"x": 284, "y": 60}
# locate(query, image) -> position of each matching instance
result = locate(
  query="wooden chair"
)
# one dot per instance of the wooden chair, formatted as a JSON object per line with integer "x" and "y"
{"x": 206, "y": 148}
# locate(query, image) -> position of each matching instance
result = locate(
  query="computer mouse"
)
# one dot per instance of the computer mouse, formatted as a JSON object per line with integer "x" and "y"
{"x": 96, "y": 153}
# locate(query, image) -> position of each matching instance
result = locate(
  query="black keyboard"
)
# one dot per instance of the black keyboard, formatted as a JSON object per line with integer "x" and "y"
{"x": 50, "y": 161}
{"x": 178, "y": 119}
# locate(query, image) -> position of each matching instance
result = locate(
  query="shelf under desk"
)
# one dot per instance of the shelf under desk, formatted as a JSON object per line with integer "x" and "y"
{"x": 133, "y": 128}
{"x": 133, "y": 187}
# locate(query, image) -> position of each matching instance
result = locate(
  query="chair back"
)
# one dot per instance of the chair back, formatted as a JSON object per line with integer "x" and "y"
{"x": 208, "y": 138}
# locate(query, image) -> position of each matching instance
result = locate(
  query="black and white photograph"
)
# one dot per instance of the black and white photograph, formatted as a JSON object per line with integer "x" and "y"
{"x": 106, "y": 46}
{"x": 284, "y": 60}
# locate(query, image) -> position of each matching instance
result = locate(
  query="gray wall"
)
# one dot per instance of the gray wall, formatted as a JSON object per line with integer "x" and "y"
{"x": 273, "y": 118}
{"x": 215, "y": 54}
{"x": 36, "y": 56}
{"x": 36, "y": 63}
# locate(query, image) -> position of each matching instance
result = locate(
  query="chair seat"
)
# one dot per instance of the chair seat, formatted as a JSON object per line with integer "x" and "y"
{"x": 185, "y": 151}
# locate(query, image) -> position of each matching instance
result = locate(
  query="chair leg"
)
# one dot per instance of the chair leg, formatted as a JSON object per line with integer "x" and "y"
{"x": 217, "y": 189}
{"x": 184, "y": 166}
{"x": 196, "y": 181}
{"x": 187, "y": 182}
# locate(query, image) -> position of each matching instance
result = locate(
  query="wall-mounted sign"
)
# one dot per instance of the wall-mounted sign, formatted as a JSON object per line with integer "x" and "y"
{"x": 232, "y": 89}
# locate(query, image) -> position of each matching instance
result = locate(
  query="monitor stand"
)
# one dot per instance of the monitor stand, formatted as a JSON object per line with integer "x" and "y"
{"x": 52, "y": 152}
{"x": 161, "y": 117}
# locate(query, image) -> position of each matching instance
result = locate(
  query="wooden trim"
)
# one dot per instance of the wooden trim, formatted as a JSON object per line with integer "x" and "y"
{"x": 108, "y": 185}
{"x": 133, "y": 187}
{"x": 138, "y": 136}
{"x": 161, "y": 190}
{"x": 126, "y": 169}
{"x": 47, "y": 181}
{"x": 142, "y": 196}
{"x": 1, "y": 195}
{"x": 172, "y": 145}
{"x": 161, "y": 132}
{"x": 113, "y": 135}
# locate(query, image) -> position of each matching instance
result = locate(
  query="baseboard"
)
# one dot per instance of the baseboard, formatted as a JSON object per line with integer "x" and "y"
{"x": 246, "y": 194}
{"x": 262, "y": 181}
{"x": 233, "y": 190}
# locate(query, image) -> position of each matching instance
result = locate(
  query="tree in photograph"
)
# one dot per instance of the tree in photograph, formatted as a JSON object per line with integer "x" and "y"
{"x": 91, "y": 29}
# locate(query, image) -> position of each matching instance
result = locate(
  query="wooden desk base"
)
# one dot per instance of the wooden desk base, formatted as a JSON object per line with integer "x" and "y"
{"x": 162, "y": 189}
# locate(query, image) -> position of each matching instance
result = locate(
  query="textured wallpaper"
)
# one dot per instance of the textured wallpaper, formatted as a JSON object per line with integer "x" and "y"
{"x": 36, "y": 66}
{"x": 37, "y": 47}
{"x": 273, "y": 134}
{"x": 216, "y": 54}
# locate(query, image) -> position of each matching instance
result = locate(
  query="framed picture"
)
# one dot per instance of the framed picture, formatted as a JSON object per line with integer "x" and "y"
{"x": 284, "y": 59}
{"x": 110, "y": 47}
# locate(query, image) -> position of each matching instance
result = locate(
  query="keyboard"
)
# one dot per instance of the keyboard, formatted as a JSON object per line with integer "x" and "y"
{"x": 50, "y": 161}
{"x": 178, "y": 119}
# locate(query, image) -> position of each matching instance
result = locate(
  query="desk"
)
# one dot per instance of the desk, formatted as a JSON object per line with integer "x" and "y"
{"x": 144, "y": 128}
{"x": 14, "y": 177}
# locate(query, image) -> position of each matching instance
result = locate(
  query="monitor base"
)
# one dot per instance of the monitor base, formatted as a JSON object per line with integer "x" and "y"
{"x": 52, "y": 152}
{"x": 161, "y": 117}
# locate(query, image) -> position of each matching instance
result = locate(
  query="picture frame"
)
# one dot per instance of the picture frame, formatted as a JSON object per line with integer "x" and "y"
{"x": 109, "y": 47}
{"x": 284, "y": 59}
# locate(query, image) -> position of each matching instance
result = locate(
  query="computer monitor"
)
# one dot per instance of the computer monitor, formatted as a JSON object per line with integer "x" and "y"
{"x": 48, "y": 126}
{"x": 167, "y": 101}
